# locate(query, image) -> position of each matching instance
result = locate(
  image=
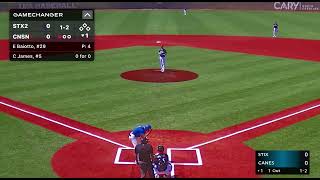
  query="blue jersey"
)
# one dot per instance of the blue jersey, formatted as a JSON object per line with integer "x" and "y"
{"x": 162, "y": 52}
{"x": 138, "y": 131}
{"x": 275, "y": 26}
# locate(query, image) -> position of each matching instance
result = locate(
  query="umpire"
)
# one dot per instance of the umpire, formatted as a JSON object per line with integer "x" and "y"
{"x": 144, "y": 156}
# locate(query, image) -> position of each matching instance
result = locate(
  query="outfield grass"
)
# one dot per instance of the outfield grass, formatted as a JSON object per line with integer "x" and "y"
{"x": 221, "y": 22}
{"x": 231, "y": 88}
{"x": 26, "y": 149}
{"x": 224, "y": 22}
{"x": 301, "y": 136}
{"x": 4, "y": 25}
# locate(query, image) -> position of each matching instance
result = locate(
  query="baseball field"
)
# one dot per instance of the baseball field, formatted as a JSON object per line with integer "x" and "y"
{"x": 248, "y": 92}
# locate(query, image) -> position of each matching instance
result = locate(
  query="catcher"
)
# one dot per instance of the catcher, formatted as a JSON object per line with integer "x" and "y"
{"x": 161, "y": 165}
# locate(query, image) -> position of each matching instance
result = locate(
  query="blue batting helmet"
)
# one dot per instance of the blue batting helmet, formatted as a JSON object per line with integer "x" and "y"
{"x": 147, "y": 127}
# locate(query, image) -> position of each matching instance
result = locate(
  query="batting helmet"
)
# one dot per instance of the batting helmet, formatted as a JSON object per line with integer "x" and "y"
{"x": 147, "y": 127}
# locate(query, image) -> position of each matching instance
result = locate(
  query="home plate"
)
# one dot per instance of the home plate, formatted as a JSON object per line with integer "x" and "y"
{"x": 158, "y": 42}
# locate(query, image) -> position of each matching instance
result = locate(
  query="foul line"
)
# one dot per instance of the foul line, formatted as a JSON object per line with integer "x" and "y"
{"x": 253, "y": 127}
{"x": 67, "y": 126}
{"x": 191, "y": 147}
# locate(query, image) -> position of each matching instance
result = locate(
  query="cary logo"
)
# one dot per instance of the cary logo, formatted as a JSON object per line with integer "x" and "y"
{"x": 286, "y": 5}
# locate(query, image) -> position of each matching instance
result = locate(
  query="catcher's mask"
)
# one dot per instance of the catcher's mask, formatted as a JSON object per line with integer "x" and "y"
{"x": 160, "y": 148}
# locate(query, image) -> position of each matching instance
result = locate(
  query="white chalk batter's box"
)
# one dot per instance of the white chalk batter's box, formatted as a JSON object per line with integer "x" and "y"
{"x": 178, "y": 156}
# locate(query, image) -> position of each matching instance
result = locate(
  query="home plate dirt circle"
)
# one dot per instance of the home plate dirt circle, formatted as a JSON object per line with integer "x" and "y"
{"x": 156, "y": 76}
{"x": 91, "y": 157}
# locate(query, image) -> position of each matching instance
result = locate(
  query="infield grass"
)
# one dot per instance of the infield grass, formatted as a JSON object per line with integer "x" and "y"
{"x": 231, "y": 88}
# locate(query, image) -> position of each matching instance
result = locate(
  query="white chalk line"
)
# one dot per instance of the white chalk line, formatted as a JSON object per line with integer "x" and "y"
{"x": 65, "y": 125}
{"x": 253, "y": 127}
{"x": 199, "y": 158}
{"x": 169, "y": 152}
{"x": 191, "y": 147}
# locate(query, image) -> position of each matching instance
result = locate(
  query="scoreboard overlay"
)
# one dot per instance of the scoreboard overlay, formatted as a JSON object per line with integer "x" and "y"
{"x": 51, "y": 34}
{"x": 283, "y": 162}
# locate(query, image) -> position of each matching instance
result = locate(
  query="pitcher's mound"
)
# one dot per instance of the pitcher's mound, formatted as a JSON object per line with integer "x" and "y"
{"x": 156, "y": 76}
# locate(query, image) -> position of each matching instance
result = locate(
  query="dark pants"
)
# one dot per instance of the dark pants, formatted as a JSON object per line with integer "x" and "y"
{"x": 146, "y": 170}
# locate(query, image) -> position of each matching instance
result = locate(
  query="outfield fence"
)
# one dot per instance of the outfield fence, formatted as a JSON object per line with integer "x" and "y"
{"x": 273, "y": 6}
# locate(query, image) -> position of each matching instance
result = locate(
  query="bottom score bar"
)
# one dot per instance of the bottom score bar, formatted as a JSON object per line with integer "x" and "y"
{"x": 282, "y": 162}
{"x": 273, "y": 171}
{"x": 52, "y": 56}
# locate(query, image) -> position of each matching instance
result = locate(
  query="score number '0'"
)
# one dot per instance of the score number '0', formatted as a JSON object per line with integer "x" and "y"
{"x": 61, "y": 27}
{"x": 48, "y": 36}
